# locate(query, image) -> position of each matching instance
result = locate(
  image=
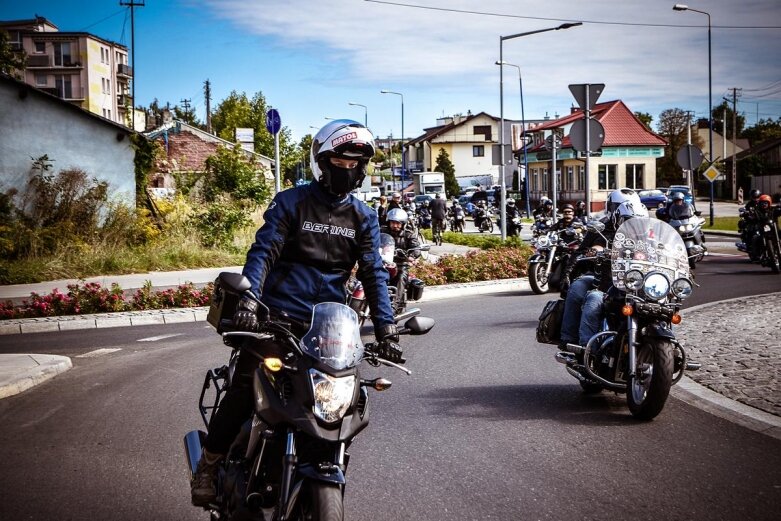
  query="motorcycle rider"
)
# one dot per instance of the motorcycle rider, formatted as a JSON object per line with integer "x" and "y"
{"x": 402, "y": 236}
{"x": 290, "y": 271}
{"x": 678, "y": 209}
{"x": 580, "y": 212}
{"x": 512, "y": 211}
{"x": 456, "y": 213}
{"x": 424, "y": 215}
{"x": 583, "y": 308}
{"x": 480, "y": 213}
{"x": 544, "y": 210}
{"x": 567, "y": 223}
{"x": 749, "y": 223}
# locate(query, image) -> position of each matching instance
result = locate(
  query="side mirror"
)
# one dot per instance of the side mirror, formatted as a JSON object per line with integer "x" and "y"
{"x": 595, "y": 226}
{"x": 417, "y": 326}
{"x": 697, "y": 213}
{"x": 425, "y": 247}
{"x": 235, "y": 282}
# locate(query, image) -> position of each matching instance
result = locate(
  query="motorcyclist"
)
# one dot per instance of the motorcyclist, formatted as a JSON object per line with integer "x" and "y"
{"x": 424, "y": 215}
{"x": 677, "y": 209}
{"x": 580, "y": 212}
{"x": 748, "y": 224}
{"x": 407, "y": 244}
{"x": 480, "y": 213}
{"x": 568, "y": 223}
{"x": 512, "y": 211}
{"x": 456, "y": 212}
{"x": 312, "y": 237}
{"x": 544, "y": 210}
{"x": 583, "y": 309}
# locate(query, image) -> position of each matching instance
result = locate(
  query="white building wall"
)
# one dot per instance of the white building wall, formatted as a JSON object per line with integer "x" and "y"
{"x": 32, "y": 124}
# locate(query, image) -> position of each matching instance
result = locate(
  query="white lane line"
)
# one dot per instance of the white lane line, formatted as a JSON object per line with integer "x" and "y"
{"x": 156, "y": 338}
{"x": 99, "y": 352}
{"x": 717, "y": 254}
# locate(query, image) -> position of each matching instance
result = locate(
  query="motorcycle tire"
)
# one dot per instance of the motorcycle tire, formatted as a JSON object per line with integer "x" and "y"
{"x": 647, "y": 392}
{"x": 773, "y": 256}
{"x": 322, "y": 501}
{"x": 537, "y": 280}
{"x": 490, "y": 227}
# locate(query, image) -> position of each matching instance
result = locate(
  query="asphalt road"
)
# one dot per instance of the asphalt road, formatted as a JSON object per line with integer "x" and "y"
{"x": 489, "y": 426}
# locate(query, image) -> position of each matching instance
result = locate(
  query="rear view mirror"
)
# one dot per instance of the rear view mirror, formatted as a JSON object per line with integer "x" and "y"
{"x": 418, "y": 326}
{"x": 698, "y": 213}
{"x": 595, "y": 226}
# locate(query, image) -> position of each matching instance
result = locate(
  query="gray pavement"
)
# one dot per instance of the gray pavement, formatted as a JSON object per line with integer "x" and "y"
{"x": 741, "y": 354}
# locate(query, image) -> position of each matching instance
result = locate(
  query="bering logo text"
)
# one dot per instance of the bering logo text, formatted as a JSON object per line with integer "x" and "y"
{"x": 328, "y": 228}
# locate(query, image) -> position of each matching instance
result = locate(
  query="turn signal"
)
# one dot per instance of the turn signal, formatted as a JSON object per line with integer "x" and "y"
{"x": 273, "y": 364}
{"x": 627, "y": 310}
{"x": 676, "y": 319}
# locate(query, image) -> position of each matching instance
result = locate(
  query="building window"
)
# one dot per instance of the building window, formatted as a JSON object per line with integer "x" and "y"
{"x": 15, "y": 40}
{"x": 634, "y": 176}
{"x": 570, "y": 178}
{"x": 478, "y": 151}
{"x": 106, "y": 85}
{"x": 63, "y": 84}
{"x": 582, "y": 177}
{"x": 41, "y": 80}
{"x": 535, "y": 180}
{"x": 62, "y": 54}
{"x": 482, "y": 130}
{"x": 545, "y": 179}
{"x": 40, "y": 47}
{"x": 607, "y": 177}
{"x": 559, "y": 186}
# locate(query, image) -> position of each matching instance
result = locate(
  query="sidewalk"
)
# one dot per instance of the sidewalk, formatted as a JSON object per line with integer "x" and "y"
{"x": 740, "y": 377}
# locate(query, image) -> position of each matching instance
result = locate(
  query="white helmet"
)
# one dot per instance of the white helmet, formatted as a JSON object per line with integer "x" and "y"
{"x": 398, "y": 215}
{"x": 623, "y": 204}
{"x": 344, "y": 139}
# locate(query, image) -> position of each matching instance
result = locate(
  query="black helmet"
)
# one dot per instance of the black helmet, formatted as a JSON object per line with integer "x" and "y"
{"x": 755, "y": 193}
{"x": 581, "y": 205}
{"x": 567, "y": 206}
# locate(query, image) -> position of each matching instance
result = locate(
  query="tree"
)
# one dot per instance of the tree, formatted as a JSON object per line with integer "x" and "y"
{"x": 645, "y": 118}
{"x": 188, "y": 116}
{"x": 238, "y": 111}
{"x": 764, "y": 130}
{"x": 673, "y": 127}
{"x": 718, "y": 115}
{"x": 444, "y": 165}
{"x": 12, "y": 62}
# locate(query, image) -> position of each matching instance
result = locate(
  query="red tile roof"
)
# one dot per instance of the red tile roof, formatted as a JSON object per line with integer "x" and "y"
{"x": 622, "y": 128}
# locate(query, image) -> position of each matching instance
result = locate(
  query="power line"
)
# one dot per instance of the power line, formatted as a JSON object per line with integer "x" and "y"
{"x": 770, "y": 86}
{"x": 599, "y": 22}
{"x": 101, "y": 20}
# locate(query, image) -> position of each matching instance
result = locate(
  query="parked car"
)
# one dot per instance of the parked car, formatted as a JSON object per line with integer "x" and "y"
{"x": 652, "y": 199}
{"x": 662, "y": 189}
{"x": 485, "y": 196}
{"x": 687, "y": 193}
{"x": 423, "y": 197}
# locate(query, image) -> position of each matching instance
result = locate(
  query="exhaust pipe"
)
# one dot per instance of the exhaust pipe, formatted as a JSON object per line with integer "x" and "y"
{"x": 193, "y": 446}
{"x": 411, "y": 312}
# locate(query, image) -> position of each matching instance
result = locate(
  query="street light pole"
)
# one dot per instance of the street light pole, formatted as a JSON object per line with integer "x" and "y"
{"x": 365, "y": 113}
{"x": 684, "y": 7}
{"x": 403, "y": 152}
{"x": 523, "y": 141}
{"x": 502, "y": 39}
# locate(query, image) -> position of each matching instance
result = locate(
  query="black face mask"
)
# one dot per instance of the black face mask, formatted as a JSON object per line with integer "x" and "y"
{"x": 340, "y": 181}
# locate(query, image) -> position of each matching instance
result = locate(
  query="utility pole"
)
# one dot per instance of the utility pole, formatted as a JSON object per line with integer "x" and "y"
{"x": 186, "y": 104}
{"x": 734, "y": 137}
{"x": 207, "y": 92}
{"x": 133, "y": 4}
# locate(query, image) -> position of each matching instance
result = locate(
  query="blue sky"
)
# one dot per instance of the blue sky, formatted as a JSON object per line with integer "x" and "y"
{"x": 310, "y": 58}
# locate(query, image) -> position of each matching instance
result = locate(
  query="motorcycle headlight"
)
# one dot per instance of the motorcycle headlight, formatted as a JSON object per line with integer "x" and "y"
{"x": 656, "y": 286}
{"x": 682, "y": 228}
{"x": 633, "y": 280}
{"x": 542, "y": 241}
{"x": 333, "y": 396}
{"x": 682, "y": 288}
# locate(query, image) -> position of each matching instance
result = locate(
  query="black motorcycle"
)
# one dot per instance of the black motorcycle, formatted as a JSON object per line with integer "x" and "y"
{"x": 760, "y": 228}
{"x": 402, "y": 288}
{"x": 636, "y": 351}
{"x": 289, "y": 460}
{"x": 483, "y": 220}
{"x": 553, "y": 250}
{"x": 457, "y": 219}
{"x": 689, "y": 226}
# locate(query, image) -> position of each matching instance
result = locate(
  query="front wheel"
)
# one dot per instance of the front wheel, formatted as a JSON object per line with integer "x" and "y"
{"x": 647, "y": 391}
{"x": 773, "y": 256}
{"x": 538, "y": 280}
{"x": 323, "y": 502}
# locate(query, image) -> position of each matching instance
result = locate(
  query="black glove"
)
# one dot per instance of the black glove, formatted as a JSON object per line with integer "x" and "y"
{"x": 390, "y": 351}
{"x": 387, "y": 332}
{"x": 246, "y": 316}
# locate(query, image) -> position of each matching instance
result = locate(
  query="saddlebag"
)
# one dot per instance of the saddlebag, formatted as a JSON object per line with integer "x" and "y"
{"x": 549, "y": 327}
{"x": 415, "y": 289}
{"x": 222, "y": 306}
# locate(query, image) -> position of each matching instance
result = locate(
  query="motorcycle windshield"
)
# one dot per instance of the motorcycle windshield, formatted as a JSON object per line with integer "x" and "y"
{"x": 334, "y": 337}
{"x": 647, "y": 245}
{"x": 387, "y": 248}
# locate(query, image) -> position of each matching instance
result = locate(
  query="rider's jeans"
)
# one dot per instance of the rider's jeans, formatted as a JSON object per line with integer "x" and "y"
{"x": 582, "y": 311}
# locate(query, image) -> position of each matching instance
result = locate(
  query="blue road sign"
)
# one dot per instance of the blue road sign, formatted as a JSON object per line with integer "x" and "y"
{"x": 273, "y": 121}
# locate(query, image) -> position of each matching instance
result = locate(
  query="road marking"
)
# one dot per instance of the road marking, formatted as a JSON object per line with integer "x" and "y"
{"x": 716, "y": 254}
{"x": 156, "y": 338}
{"x": 99, "y": 352}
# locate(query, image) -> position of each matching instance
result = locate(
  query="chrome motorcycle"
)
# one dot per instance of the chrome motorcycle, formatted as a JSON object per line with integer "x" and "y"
{"x": 636, "y": 351}
{"x": 288, "y": 462}
{"x": 553, "y": 249}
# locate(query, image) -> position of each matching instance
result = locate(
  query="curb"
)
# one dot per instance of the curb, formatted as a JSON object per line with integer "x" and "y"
{"x": 179, "y": 315}
{"x": 35, "y": 370}
{"x": 722, "y": 233}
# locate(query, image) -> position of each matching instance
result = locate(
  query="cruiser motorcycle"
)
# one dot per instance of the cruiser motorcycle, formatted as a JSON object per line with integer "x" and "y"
{"x": 404, "y": 290}
{"x": 760, "y": 226}
{"x": 289, "y": 460}
{"x": 553, "y": 250}
{"x": 457, "y": 219}
{"x": 690, "y": 229}
{"x": 636, "y": 351}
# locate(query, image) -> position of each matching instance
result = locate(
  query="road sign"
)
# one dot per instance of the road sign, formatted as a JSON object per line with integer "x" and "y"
{"x": 579, "y": 90}
{"x": 577, "y": 135}
{"x": 273, "y": 121}
{"x": 712, "y": 173}
{"x": 552, "y": 141}
{"x": 689, "y": 157}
